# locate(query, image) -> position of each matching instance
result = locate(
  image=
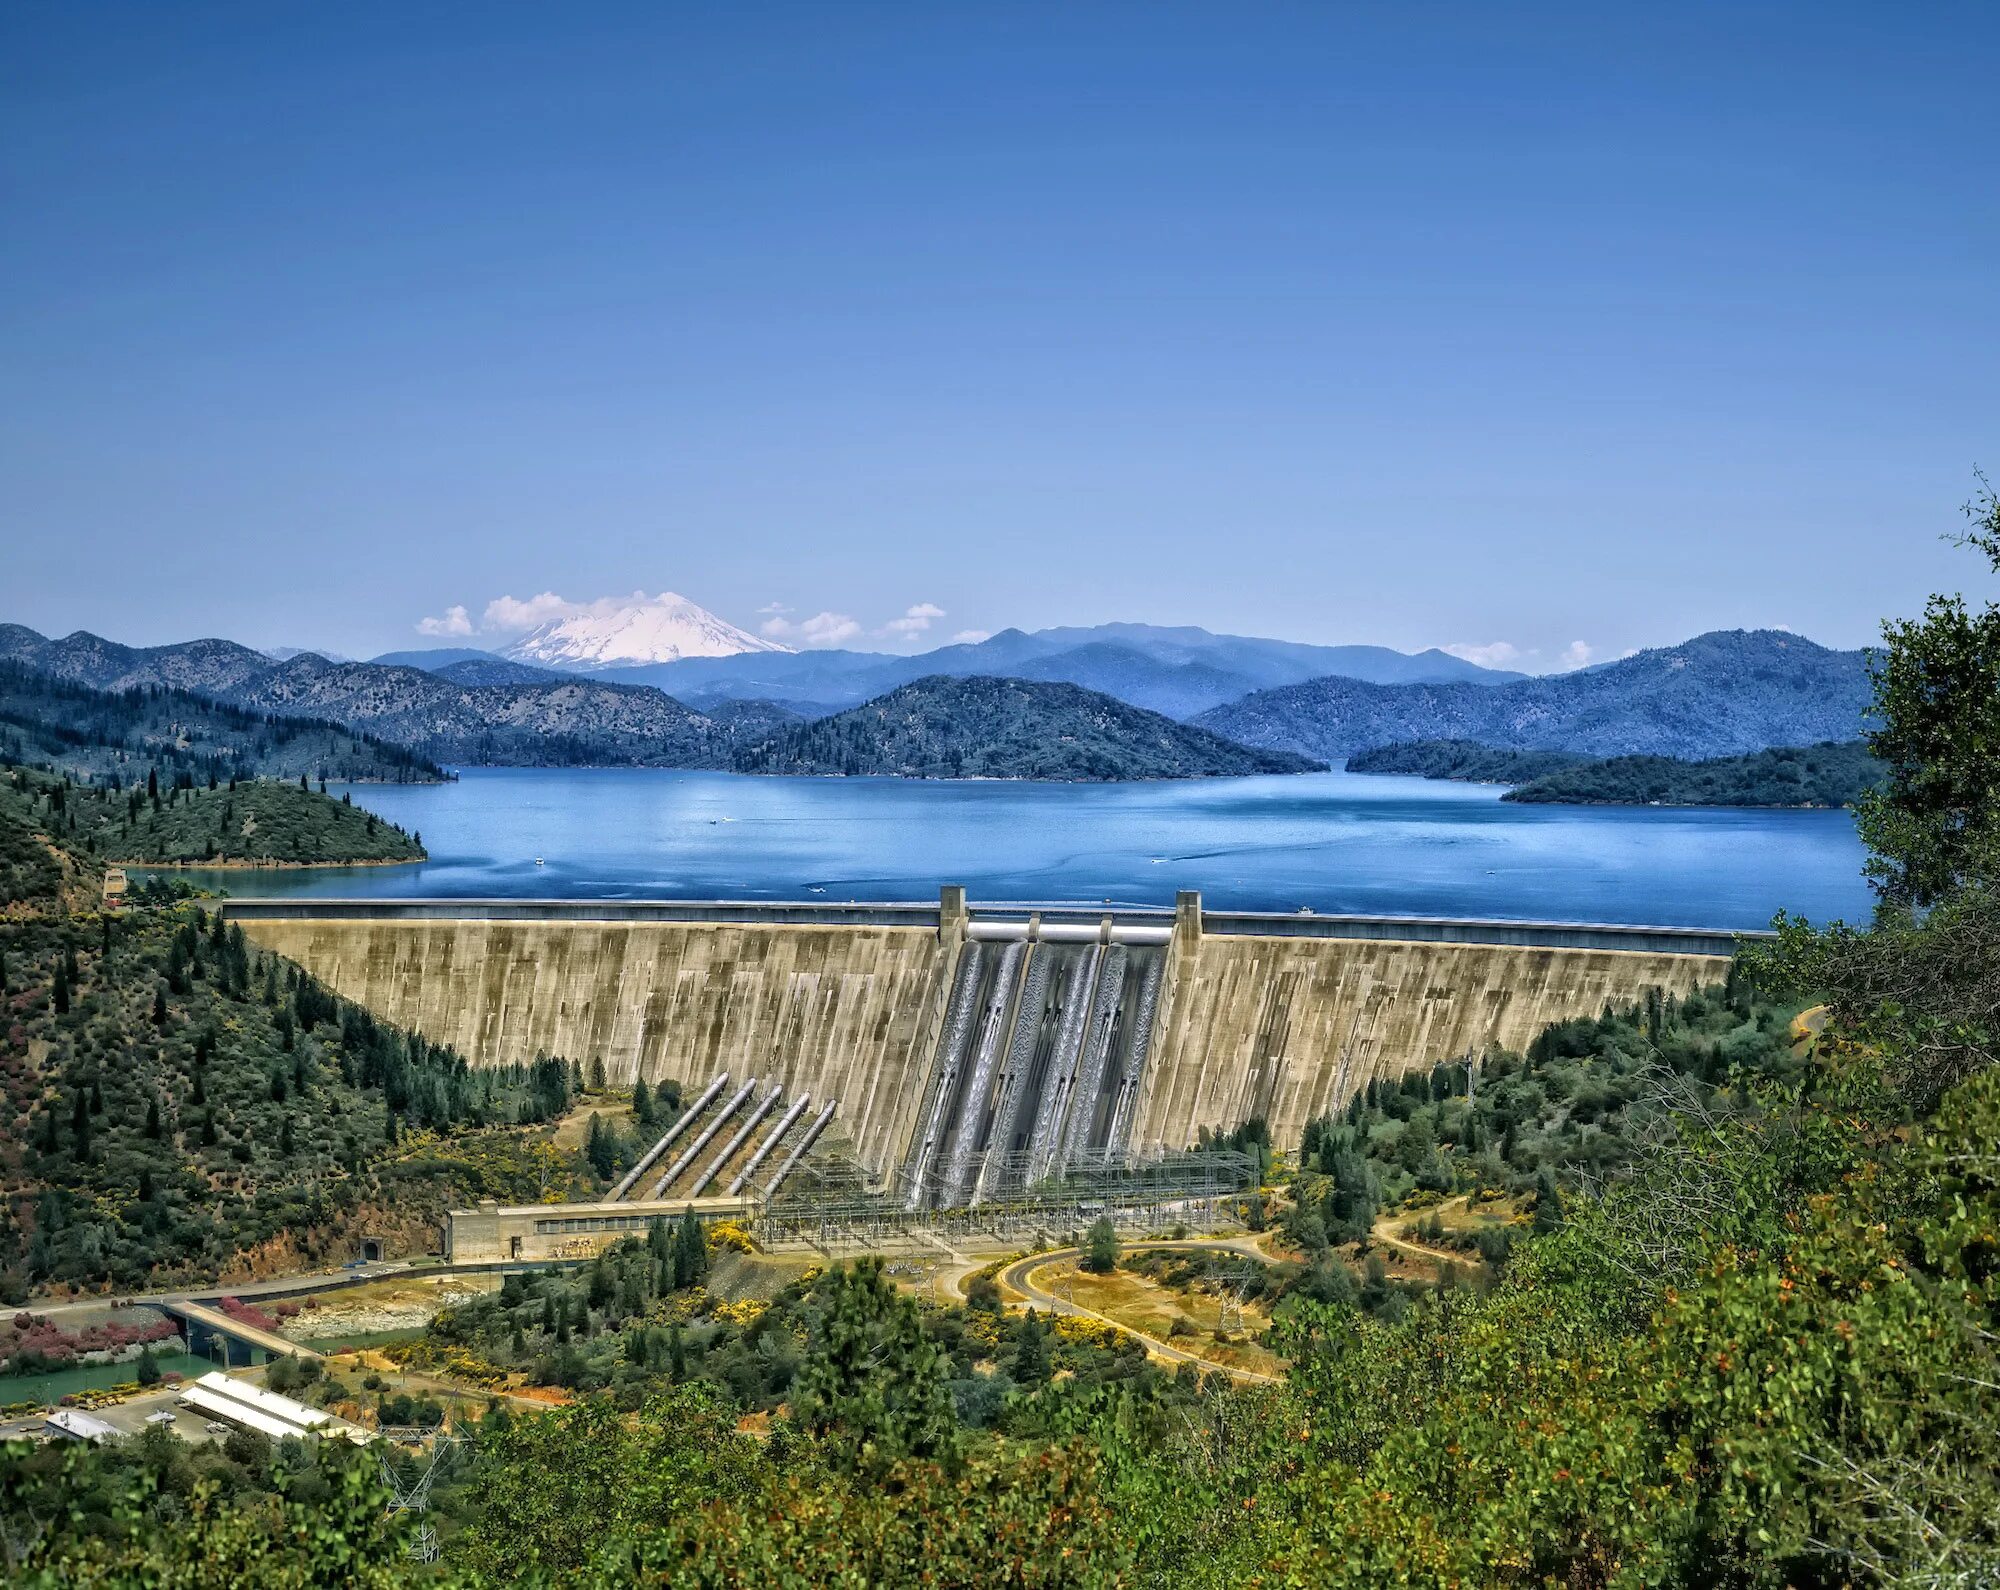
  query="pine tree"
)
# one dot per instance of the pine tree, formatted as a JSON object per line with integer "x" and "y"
{"x": 690, "y": 1252}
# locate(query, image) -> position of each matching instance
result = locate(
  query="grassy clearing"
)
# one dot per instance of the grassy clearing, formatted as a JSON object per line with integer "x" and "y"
{"x": 1157, "y": 1310}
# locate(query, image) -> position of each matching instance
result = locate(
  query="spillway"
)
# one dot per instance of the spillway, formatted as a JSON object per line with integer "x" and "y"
{"x": 944, "y": 1075}
{"x": 1056, "y": 1043}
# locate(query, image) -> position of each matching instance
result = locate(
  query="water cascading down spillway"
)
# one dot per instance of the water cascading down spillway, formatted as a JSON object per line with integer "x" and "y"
{"x": 1039, "y": 1060}
{"x": 996, "y": 1029}
{"x": 1059, "y": 1076}
{"x": 944, "y": 1073}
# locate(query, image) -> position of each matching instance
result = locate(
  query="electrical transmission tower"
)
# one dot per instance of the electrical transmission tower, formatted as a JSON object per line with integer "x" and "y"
{"x": 1231, "y": 1280}
{"x": 410, "y": 1488}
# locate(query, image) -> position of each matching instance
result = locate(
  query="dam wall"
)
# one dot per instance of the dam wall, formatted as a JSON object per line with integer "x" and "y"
{"x": 1289, "y": 1028}
{"x": 840, "y": 1012}
{"x": 949, "y": 1038}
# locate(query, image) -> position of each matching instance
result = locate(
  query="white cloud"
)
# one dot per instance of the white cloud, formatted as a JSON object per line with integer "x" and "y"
{"x": 971, "y": 637}
{"x": 1494, "y": 654}
{"x": 822, "y": 629}
{"x": 915, "y": 620}
{"x": 454, "y": 622}
{"x": 1576, "y": 655}
{"x": 511, "y": 613}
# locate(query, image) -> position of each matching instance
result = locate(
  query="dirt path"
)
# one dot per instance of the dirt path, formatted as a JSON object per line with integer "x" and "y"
{"x": 1386, "y": 1231}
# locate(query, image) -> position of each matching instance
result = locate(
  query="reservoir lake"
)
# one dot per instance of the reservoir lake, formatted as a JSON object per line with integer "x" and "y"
{"x": 1332, "y": 842}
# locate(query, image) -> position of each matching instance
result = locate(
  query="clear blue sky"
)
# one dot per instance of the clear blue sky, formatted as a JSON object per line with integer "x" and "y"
{"x": 1411, "y": 323}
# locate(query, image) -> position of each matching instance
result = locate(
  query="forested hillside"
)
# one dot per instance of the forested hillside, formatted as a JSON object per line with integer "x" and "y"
{"x": 1006, "y": 728}
{"x": 1836, "y": 773}
{"x": 1463, "y": 760}
{"x": 100, "y": 733}
{"x": 1721, "y": 694}
{"x": 1833, "y": 774}
{"x": 176, "y": 1104}
{"x": 258, "y": 822}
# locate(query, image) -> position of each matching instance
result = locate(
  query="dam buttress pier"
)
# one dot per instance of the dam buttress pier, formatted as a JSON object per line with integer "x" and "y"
{"x": 963, "y": 1056}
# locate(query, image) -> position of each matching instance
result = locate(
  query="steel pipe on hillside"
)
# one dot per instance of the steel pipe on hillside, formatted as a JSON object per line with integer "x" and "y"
{"x": 672, "y": 1132}
{"x": 799, "y": 1153}
{"x": 757, "y": 1113}
{"x": 764, "y": 1148}
{"x": 693, "y": 1150}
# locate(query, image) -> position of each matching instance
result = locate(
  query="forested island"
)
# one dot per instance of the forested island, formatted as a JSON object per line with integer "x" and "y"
{"x": 1835, "y": 773}
{"x": 980, "y": 727}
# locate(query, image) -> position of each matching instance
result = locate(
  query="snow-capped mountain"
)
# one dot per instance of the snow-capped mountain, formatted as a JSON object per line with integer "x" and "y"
{"x": 647, "y": 629}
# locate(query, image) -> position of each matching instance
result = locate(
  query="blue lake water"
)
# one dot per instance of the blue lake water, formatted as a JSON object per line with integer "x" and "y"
{"x": 1337, "y": 842}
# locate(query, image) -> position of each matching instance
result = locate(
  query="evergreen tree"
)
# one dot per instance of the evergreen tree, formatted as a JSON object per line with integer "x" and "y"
{"x": 873, "y": 1387}
{"x": 600, "y": 1147}
{"x": 690, "y": 1252}
{"x": 1100, "y": 1252}
{"x": 1548, "y": 1202}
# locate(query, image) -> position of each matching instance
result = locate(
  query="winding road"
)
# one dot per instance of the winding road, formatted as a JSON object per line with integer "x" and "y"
{"x": 1018, "y": 1276}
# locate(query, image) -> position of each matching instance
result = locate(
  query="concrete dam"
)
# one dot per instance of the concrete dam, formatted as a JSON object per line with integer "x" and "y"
{"x": 966, "y": 1052}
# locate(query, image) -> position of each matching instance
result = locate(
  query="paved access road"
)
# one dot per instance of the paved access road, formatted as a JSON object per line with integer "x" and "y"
{"x": 1019, "y": 1276}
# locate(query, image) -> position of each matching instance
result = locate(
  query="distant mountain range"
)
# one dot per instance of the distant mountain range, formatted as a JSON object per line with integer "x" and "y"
{"x": 1720, "y": 694}
{"x": 1177, "y": 671}
{"x": 1716, "y": 695}
{"x": 983, "y": 727}
{"x": 67, "y": 725}
{"x": 552, "y": 720}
